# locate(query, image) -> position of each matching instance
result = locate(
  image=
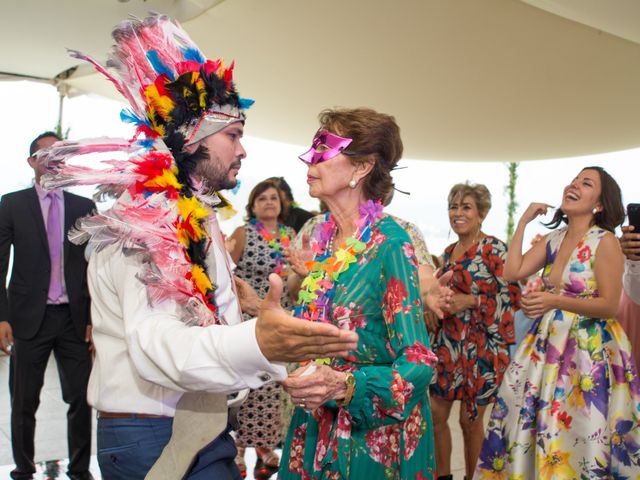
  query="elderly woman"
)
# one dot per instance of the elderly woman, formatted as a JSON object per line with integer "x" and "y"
{"x": 434, "y": 292}
{"x": 257, "y": 249}
{"x": 568, "y": 406}
{"x": 472, "y": 341}
{"x": 368, "y": 414}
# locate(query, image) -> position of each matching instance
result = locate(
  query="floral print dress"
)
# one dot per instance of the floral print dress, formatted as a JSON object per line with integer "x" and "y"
{"x": 569, "y": 404}
{"x": 386, "y": 431}
{"x": 260, "y": 415}
{"x": 473, "y": 346}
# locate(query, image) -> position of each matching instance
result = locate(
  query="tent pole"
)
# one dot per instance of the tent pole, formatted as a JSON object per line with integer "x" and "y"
{"x": 60, "y": 111}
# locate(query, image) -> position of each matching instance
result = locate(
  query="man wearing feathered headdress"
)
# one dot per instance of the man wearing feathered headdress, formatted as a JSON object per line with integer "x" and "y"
{"x": 165, "y": 305}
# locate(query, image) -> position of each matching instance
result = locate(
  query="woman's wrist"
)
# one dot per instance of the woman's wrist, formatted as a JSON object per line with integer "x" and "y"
{"x": 346, "y": 389}
{"x": 474, "y": 301}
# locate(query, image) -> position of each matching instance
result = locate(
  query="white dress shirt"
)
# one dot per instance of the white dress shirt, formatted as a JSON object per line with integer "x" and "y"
{"x": 631, "y": 279}
{"x": 146, "y": 357}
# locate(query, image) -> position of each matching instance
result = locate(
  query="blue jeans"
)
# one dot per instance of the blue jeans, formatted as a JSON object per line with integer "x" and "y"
{"x": 128, "y": 448}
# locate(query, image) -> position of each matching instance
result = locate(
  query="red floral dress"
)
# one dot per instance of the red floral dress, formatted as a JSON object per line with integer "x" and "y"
{"x": 473, "y": 346}
{"x": 386, "y": 431}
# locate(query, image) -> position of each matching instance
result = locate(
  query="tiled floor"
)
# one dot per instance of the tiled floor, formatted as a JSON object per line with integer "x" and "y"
{"x": 51, "y": 431}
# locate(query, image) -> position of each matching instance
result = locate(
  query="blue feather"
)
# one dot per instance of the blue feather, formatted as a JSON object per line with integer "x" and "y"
{"x": 235, "y": 189}
{"x": 245, "y": 103}
{"x": 127, "y": 116}
{"x": 146, "y": 143}
{"x": 193, "y": 54}
{"x": 157, "y": 64}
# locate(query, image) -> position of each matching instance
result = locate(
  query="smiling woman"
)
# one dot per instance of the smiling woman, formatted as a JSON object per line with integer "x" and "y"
{"x": 472, "y": 341}
{"x": 569, "y": 402}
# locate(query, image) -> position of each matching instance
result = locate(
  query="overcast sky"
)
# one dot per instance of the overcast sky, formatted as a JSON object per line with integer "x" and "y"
{"x": 31, "y": 108}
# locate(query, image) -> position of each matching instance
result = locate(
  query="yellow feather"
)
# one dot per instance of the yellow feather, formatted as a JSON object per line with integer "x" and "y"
{"x": 167, "y": 179}
{"x": 162, "y": 104}
{"x": 202, "y": 92}
{"x": 183, "y": 236}
{"x": 191, "y": 210}
{"x": 200, "y": 279}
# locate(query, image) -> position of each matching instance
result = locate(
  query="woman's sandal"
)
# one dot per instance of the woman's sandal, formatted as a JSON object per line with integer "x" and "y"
{"x": 266, "y": 465}
{"x": 268, "y": 457}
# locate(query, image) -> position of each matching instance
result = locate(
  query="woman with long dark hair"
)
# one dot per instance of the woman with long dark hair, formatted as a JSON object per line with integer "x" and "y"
{"x": 569, "y": 404}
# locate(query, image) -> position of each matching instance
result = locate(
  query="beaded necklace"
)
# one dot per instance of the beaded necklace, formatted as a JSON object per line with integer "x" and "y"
{"x": 318, "y": 287}
{"x": 277, "y": 244}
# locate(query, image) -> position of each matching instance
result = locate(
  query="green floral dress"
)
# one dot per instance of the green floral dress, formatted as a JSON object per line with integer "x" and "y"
{"x": 386, "y": 431}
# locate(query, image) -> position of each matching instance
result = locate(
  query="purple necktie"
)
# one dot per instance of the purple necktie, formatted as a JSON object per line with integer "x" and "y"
{"x": 54, "y": 238}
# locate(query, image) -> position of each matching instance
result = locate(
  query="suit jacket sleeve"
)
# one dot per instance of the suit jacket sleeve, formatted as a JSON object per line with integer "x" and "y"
{"x": 6, "y": 239}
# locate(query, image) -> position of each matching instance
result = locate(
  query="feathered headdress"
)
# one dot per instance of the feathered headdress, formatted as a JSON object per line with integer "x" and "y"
{"x": 168, "y": 82}
{"x": 177, "y": 97}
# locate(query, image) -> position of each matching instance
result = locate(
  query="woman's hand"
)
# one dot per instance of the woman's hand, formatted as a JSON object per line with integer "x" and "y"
{"x": 432, "y": 321}
{"x": 460, "y": 302}
{"x": 630, "y": 242}
{"x": 534, "y": 210}
{"x": 310, "y": 391}
{"x": 439, "y": 295}
{"x": 536, "y": 304}
{"x": 297, "y": 258}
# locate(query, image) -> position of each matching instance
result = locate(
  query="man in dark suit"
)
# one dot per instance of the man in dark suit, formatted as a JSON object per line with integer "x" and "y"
{"x": 46, "y": 308}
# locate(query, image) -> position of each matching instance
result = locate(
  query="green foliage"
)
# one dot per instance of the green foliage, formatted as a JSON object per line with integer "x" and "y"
{"x": 510, "y": 190}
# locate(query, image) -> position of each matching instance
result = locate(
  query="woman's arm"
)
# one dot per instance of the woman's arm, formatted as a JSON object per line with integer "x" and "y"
{"x": 497, "y": 298}
{"x": 297, "y": 255}
{"x": 389, "y": 394}
{"x": 238, "y": 236}
{"x": 608, "y": 269}
{"x": 294, "y": 281}
{"x": 519, "y": 266}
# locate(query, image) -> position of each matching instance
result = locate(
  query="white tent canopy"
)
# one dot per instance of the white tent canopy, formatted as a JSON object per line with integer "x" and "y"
{"x": 467, "y": 80}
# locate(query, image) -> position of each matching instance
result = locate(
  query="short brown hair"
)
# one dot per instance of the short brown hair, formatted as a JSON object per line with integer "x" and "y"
{"x": 478, "y": 191}
{"x": 259, "y": 189}
{"x": 376, "y": 137}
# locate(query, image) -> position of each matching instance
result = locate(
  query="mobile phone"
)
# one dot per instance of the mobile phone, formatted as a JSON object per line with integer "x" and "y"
{"x": 633, "y": 213}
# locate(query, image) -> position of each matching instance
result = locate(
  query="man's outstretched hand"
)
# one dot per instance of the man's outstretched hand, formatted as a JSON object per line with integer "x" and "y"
{"x": 284, "y": 338}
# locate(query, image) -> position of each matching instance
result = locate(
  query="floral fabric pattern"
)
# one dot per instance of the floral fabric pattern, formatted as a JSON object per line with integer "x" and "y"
{"x": 569, "y": 404}
{"x": 386, "y": 431}
{"x": 261, "y": 414}
{"x": 473, "y": 346}
{"x": 418, "y": 244}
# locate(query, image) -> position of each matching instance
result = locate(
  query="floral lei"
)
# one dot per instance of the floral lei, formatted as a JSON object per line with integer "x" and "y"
{"x": 318, "y": 287}
{"x": 273, "y": 243}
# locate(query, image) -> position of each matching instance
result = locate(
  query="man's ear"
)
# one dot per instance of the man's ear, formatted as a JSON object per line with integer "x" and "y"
{"x": 190, "y": 149}
{"x": 32, "y": 161}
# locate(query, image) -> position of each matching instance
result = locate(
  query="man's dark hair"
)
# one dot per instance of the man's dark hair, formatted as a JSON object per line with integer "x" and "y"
{"x": 33, "y": 148}
{"x": 282, "y": 184}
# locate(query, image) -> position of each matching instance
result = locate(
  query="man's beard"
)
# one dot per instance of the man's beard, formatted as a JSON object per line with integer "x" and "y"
{"x": 210, "y": 170}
